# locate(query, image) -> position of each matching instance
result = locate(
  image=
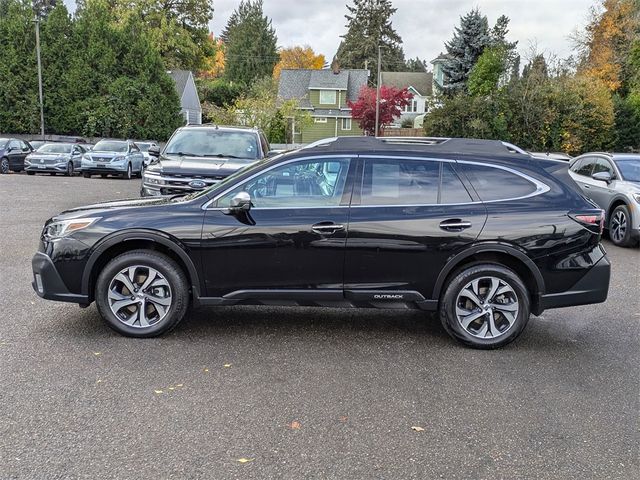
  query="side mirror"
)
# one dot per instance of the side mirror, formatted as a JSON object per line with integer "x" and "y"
{"x": 154, "y": 151}
{"x": 602, "y": 176}
{"x": 241, "y": 202}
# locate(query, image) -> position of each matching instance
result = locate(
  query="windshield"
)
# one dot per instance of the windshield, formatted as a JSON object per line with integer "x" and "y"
{"x": 110, "y": 146}
{"x": 213, "y": 143}
{"x": 55, "y": 148}
{"x": 630, "y": 169}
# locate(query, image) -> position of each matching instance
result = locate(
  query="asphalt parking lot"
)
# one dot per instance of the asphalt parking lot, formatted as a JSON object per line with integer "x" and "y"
{"x": 270, "y": 392}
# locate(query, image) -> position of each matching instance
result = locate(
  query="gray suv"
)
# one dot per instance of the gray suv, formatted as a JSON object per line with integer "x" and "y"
{"x": 612, "y": 180}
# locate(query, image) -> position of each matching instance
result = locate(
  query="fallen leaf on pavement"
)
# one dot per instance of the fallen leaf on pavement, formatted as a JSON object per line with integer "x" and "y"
{"x": 96, "y": 353}
{"x": 417, "y": 429}
{"x": 158, "y": 391}
{"x": 245, "y": 460}
{"x": 295, "y": 425}
{"x": 344, "y": 419}
{"x": 205, "y": 370}
{"x": 226, "y": 365}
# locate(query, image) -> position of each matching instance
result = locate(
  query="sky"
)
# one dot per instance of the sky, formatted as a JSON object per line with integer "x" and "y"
{"x": 424, "y": 25}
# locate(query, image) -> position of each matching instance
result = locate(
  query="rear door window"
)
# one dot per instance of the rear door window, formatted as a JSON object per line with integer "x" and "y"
{"x": 400, "y": 182}
{"x": 452, "y": 190}
{"x": 492, "y": 183}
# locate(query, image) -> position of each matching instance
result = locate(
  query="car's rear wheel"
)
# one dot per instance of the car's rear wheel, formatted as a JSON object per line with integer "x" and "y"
{"x": 620, "y": 227}
{"x": 4, "y": 166}
{"x": 86, "y": 174}
{"x": 142, "y": 294}
{"x": 485, "y": 306}
{"x": 31, "y": 173}
{"x": 69, "y": 169}
{"x": 103, "y": 175}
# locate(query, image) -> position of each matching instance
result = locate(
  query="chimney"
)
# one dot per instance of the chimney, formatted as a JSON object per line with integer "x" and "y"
{"x": 335, "y": 66}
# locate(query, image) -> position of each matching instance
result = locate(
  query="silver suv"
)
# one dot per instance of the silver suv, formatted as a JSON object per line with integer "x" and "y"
{"x": 612, "y": 180}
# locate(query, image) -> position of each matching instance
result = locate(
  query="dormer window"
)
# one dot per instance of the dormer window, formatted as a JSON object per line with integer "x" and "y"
{"x": 327, "y": 97}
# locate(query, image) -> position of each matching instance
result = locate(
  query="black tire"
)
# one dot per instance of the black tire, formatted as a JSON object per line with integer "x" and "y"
{"x": 69, "y": 172}
{"x": 86, "y": 174}
{"x": 4, "y": 166}
{"x": 53, "y": 174}
{"x": 103, "y": 175}
{"x": 620, "y": 227}
{"x": 482, "y": 272}
{"x": 172, "y": 273}
{"x": 31, "y": 173}
{"x": 128, "y": 174}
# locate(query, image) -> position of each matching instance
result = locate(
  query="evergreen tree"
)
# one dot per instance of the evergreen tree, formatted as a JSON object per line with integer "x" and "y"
{"x": 368, "y": 26}
{"x": 415, "y": 65}
{"x": 250, "y": 44}
{"x": 468, "y": 42}
{"x": 43, "y": 8}
{"x": 19, "y": 108}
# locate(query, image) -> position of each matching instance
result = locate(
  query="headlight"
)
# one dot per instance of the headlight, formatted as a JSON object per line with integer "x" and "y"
{"x": 61, "y": 160}
{"x": 636, "y": 197}
{"x": 118, "y": 159}
{"x": 86, "y": 158}
{"x": 66, "y": 227}
{"x": 153, "y": 179}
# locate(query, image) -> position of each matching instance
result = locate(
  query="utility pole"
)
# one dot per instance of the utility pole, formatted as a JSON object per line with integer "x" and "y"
{"x": 378, "y": 92}
{"x": 37, "y": 22}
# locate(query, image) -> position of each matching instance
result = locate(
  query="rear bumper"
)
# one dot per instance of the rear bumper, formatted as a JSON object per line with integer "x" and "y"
{"x": 592, "y": 288}
{"x": 48, "y": 284}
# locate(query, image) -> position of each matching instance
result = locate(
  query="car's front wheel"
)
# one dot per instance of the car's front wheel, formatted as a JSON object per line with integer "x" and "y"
{"x": 128, "y": 174}
{"x": 69, "y": 172}
{"x": 4, "y": 166}
{"x": 142, "y": 293}
{"x": 485, "y": 306}
{"x": 620, "y": 227}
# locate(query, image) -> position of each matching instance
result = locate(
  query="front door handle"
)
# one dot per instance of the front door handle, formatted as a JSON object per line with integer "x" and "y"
{"x": 326, "y": 227}
{"x": 454, "y": 225}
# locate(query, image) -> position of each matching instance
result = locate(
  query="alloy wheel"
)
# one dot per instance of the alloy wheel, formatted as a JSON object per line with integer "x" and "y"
{"x": 128, "y": 177}
{"x": 487, "y": 307}
{"x": 618, "y": 226}
{"x": 4, "y": 166}
{"x": 139, "y": 296}
{"x": 70, "y": 169}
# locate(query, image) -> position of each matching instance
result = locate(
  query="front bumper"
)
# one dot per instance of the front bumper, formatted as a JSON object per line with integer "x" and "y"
{"x": 103, "y": 168}
{"x": 593, "y": 287}
{"x": 40, "y": 168}
{"x": 48, "y": 284}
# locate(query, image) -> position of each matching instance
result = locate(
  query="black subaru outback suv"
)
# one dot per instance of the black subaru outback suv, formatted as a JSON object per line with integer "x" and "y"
{"x": 468, "y": 228}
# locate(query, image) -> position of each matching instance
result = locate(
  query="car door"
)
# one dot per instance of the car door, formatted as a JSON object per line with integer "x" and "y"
{"x": 76, "y": 156}
{"x": 580, "y": 171}
{"x": 408, "y": 217}
{"x": 16, "y": 157}
{"x": 290, "y": 244}
{"x": 602, "y": 192}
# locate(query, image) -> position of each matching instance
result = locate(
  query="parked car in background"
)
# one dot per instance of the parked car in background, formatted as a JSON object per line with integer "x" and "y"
{"x": 612, "y": 180}
{"x": 466, "y": 228}
{"x": 198, "y": 156}
{"x": 552, "y": 156}
{"x": 113, "y": 157}
{"x": 13, "y": 151}
{"x": 55, "y": 158}
{"x": 144, "y": 148}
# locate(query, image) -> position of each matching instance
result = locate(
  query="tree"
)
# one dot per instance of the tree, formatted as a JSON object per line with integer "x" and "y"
{"x": 250, "y": 42}
{"x": 468, "y": 42}
{"x": 42, "y": 8}
{"x": 298, "y": 57}
{"x": 486, "y": 74}
{"x": 415, "y": 65}
{"x": 369, "y": 26}
{"x": 218, "y": 92}
{"x": 392, "y": 101}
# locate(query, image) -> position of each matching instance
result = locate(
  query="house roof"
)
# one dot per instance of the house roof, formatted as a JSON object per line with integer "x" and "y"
{"x": 421, "y": 81}
{"x": 180, "y": 78}
{"x": 441, "y": 57}
{"x": 297, "y": 82}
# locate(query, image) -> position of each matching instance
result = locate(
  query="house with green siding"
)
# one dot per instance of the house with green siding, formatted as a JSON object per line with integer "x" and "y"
{"x": 324, "y": 93}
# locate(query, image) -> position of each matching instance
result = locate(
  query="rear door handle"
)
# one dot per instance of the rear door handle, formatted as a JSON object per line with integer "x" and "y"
{"x": 326, "y": 227}
{"x": 454, "y": 225}
{"x": 587, "y": 186}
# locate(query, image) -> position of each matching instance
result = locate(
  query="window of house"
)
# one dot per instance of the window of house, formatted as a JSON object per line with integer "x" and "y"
{"x": 327, "y": 97}
{"x": 346, "y": 124}
{"x": 320, "y": 119}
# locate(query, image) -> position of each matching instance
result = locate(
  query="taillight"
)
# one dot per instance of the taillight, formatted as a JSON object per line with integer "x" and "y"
{"x": 592, "y": 219}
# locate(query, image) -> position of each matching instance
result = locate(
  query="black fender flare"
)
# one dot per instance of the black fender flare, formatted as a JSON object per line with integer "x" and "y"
{"x": 618, "y": 197}
{"x": 161, "y": 238}
{"x": 490, "y": 248}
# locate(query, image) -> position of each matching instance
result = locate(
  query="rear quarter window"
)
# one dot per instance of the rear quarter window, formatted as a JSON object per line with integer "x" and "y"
{"x": 493, "y": 183}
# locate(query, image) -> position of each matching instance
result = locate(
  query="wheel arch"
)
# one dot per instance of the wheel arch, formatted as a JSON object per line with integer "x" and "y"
{"x": 501, "y": 254}
{"x": 615, "y": 203}
{"x": 133, "y": 240}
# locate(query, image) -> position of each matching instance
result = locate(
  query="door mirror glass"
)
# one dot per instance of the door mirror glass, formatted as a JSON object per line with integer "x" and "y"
{"x": 240, "y": 202}
{"x": 602, "y": 176}
{"x": 154, "y": 151}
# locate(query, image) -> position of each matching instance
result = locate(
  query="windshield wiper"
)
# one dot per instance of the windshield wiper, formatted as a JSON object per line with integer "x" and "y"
{"x": 184, "y": 154}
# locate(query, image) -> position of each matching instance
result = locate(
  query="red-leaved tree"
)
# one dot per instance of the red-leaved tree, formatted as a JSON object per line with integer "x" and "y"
{"x": 392, "y": 101}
